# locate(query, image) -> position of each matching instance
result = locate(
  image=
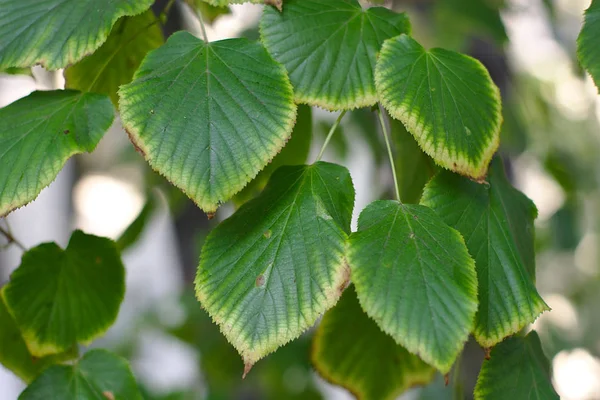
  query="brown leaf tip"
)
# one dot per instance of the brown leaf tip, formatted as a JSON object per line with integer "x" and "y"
{"x": 247, "y": 368}
{"x": 487, "y": 351}
{"x": 447, "y": 379}
{"x": 275, "y": 3}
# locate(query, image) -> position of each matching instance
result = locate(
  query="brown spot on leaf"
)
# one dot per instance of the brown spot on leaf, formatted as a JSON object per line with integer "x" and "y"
{"x": 210, "y": 215}
{"x": 98, "y": 260}
{"x": 66, "y": 131}
{"x": 260, "y": 280}
{"x": 447, "y": 379}
{"x": 346, "y": 279}
{"x": 267, "y": 233}
{"x": 487, "y": 352}
{"x": 108, "y": 395}
{"x": 275, "y": 3}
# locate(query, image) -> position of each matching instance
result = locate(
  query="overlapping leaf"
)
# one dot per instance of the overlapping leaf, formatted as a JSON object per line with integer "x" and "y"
{"x": 496, "y": 221}
{"x": 61, "y": 297}
{"x": 114, "y": 63}
{"x": 588, "y": 49}
{"x": 269, "y": 271}
{"x": 39, "y": 133}
{"x": 350, "y": 350}
{"x": 56, "y": 33}
{"x": 98, "y": 375}
{"x": 329, "y": 48}
{"x": 415, "y": 278}
{"x": 208, "y": 117}
{"x": 517, "y": 370}
{"x": 446, "y": 100}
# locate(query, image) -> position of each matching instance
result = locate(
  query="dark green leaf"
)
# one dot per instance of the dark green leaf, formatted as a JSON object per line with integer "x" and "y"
{"x": 588, "y": 49}
{"x": 135, "y": 229}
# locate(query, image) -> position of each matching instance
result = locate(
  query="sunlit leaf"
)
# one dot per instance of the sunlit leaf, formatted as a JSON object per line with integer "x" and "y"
{"x": 208, "y": 12}
{"x": 588, "y": 49}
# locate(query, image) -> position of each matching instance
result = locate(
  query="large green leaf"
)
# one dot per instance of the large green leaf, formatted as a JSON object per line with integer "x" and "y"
{"x": 496, "y": 221}
{"x": 329, "y": 48}
{"x": 268, "y": 272}
{"x": 350, "y": 350}
{"x": 56, "y": 33}
{"x": 61, "y": 297}
{"x": 517, "y": 370}
{"x": 14, "y": 354}
{"x": 99, "y": 375}
{"x": 415, "y": 278}
{"x": 588, "y": 48}
{"x": 114, "y": 63}
{"x": 208, "y": 117}
{"x": 447, "y": 100}
{"x": 39, "y": 133}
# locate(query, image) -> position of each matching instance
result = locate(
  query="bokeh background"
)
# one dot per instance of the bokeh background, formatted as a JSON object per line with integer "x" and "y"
{"x": 550, "y": 143}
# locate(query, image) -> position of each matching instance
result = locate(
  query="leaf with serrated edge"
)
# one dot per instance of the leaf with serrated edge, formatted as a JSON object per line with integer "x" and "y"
{"x": 517, "y": 370}
{"x": 56, "y": 33}
{"x": 98, "y": 375}
{"x": 329, "y": 48}
{"x": 350, "y": 350}
{"x": 61, "y": 297}
{"x": 208, "y": 117}
{"x": 39, "y": 133}
{"x": 415, "y": 278}
{"x": 588, "y": 48}
{"x": 269, "y": 271}
{"x": 447, "y": 101}
{"x": 496, "y": 221}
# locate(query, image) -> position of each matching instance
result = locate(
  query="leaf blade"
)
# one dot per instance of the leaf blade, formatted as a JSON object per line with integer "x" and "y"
{"x": 587, "y": 42}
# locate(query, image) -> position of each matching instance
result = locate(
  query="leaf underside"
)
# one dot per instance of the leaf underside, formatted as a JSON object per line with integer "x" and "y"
{"x": 588, "y": 49}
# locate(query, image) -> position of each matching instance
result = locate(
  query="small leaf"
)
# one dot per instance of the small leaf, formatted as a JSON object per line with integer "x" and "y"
{"x": 329, "y": 48}
{"x": 517, "y": 370}
{"x": 98, "y": 375}
{"x": 350, "y": 350}
{"x": 268, "y": 272}
{"x": 56, "y": 33}
{"x": 208, "y": 117}
{"x": 135, "y": 229}
{"x": 208, "y": 12}
{"x": 496, "y": 221}
{"x": 61, "y": 297}
{"x": 16, "y": 71}
{"x": 447, "y": 101}
{"x": 14, "y": 354}
{"x": 222, "y": 3}
{"x": 39, "y": 133}
{"x": 114, "y": 63}
{"x": 415, "y": 278}
{"x": 588, "y": 49}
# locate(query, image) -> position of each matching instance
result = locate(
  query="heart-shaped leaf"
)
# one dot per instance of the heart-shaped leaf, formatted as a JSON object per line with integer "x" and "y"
{"x": 447, "y": 101}
{"x": 350, "y": 350}
{"x": 269, "y": 271}
{"x": 588, "y": 49}
{"x": 496, "y": 221}
{"x": 39, "y": 133}
{"x": 208, "y": 117}
{"x": 415, "y": 278}
{"x": 56, "y": 33}
{"x": 329, "y": 48}
{"x": 61, "y": 297}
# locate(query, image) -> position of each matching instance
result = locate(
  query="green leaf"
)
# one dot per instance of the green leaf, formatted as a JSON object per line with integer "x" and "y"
{"x": 39, "y": 133}
{"x": 208, "y": 117}
{"x": 14, "y": 354}
{"x": 496, "y": 221}
{"x": 447, "y": 101}
{"x": 588, "y": 49}
{"x": 517, "y": 370}
{"x": 268, "y": 272}
{"x": 99, "y": 375}
{"x": 223, "y": 3}
{"x": 56, "y": 33}
{"x": 329, "y": 48}
{"x": 16, "y": 71}
{"x": 135, "y": 229}
{"x": 415, "y": 278}
{"x": 209, "y": 13}
{"x": 114, "y": 63}
{"x": 61, "y": 297}
{"x": 350, "y": 350}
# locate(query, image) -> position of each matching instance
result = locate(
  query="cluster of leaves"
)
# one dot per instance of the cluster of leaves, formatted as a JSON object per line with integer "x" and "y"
{"x": 221, "y": 119}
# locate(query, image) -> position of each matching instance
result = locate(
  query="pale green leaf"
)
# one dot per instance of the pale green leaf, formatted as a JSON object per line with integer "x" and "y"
{"x": 208, "y": 12}
{"x": 350, "y": 350}
{"x": 99, "y": 375}
{"x": 517, "y": 370}
{"x": 208, "y": 117}
{"x": 268, "y": 272}
{"x": 329, "y": 48}
{"x": 56, "y": 33}
{"x": 415, "y": 278}
{"x": 496, "y": 221}
{"x": 61, "y": 297}
{"x": 223, "y": 3}
{"x": 114, "y": 63}
{"x": 39, "y": 133}
{"x": 588, "y": 47}
{"x": 447, "y": 101}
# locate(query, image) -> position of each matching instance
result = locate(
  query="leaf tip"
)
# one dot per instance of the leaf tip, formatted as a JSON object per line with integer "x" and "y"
{"x": 247, "y": 367}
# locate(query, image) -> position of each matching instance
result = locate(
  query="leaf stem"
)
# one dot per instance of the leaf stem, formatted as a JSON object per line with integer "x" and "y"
{"x": 389, "y": 149}
{"x": 330, "y": 134}
{"x": 10, "y": 238}
{"x": 202, "y": 27}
